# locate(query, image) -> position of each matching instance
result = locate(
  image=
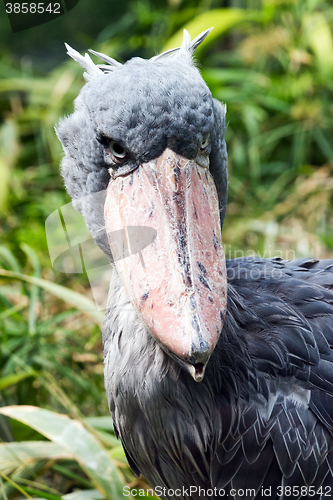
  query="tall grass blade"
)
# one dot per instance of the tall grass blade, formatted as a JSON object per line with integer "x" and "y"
{"x": 73, "y": 437}
{"x": 76, "y": 299}
{"x": 12, "y": 455}
{"x": 13, "y": 379}
{"x": 83, "y": 495}
{"x": 221, "y": 19}
{"x": 10, "y": 258}
{"x": 34, "y": 289}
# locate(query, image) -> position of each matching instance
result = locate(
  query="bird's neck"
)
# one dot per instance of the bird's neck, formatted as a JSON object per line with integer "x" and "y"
{"x": 136, "y": 366}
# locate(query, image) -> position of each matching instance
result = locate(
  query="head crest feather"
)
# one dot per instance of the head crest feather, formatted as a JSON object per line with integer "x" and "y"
{"x": 187, "y": 48}
{"x": 91, "y": 69}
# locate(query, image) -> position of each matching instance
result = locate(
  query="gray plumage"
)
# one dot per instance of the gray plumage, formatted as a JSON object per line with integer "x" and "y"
{"x": 262, "y": 416}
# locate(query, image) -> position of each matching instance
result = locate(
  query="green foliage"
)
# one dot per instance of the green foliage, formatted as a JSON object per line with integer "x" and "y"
{"x": 73, "y": 442}
{"x": 272, "y": 64}
{"x": 32, "y": 324}
{"x": 71, "y": 436}
{"x": 277, "y": 84}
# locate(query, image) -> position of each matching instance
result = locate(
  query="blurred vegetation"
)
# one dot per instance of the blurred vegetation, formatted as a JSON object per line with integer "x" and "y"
{"x": 271, "y": 62}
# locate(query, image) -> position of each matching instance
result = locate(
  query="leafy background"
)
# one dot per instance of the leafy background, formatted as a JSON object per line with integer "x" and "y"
{"x": 271, "y": 61}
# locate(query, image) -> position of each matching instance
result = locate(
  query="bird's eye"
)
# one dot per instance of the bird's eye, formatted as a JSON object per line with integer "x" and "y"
{"x": 205, "y": 143}
{"x": 117, "y": 150}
